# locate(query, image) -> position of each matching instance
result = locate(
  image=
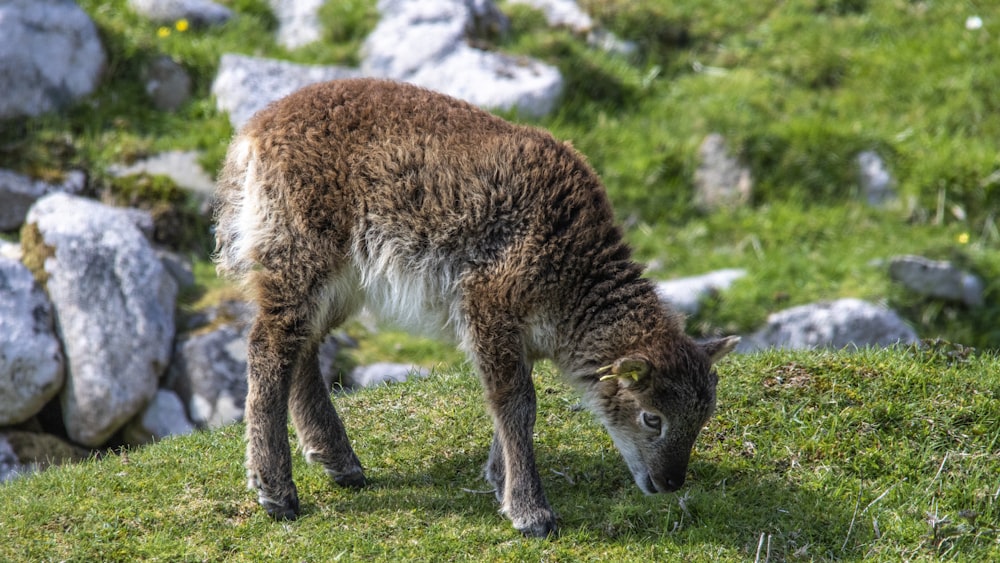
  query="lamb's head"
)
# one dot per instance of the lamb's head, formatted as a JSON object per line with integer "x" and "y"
{"x": 654, "y": 413}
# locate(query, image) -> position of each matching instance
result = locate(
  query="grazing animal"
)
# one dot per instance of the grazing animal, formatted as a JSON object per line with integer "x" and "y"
{"x": 454, "y": 223}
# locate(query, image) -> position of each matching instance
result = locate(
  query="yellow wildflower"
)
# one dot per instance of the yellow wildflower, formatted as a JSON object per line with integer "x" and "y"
{"x": 163, "y": 32}
{"x": 963, "y": 238}
{"x": 181, "y": 25}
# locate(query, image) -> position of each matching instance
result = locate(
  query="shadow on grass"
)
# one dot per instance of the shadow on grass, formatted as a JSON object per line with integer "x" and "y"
{"x": 597, "y": 502}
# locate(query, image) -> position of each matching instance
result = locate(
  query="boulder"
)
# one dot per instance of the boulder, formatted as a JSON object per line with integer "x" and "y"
{"x": 246, "y": 84}
{"x": 31, "y": 361}
{"x": 940, "y": 279}
{"x": 18, "y": 192}
{"x": 298, "y": 21}
{"x": 685, "y": 294}
{"x": 163, "y": 416}
{"x": 208, "y": 374}
{"x": 838, "y": 324}
{"x": 196, "y": 12}
{"x": 721, "y": 180}
{"x": 50, "y": 56}
{"x": 114, "y": 305}
{"x": 425, "y": 42}
{"x": 209, "y": 369}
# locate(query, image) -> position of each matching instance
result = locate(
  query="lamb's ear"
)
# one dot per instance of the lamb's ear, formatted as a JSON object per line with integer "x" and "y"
{"x": 716, "y": 349}
{"x": 627, "y": 370}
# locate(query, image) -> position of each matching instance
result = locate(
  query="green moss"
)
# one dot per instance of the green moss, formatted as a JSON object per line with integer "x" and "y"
{"x": 35, "y": 252}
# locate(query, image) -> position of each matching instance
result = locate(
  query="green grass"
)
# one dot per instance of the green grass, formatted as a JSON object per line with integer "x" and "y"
{"x": 888, "y": 455}
{"x": 878, "y": 455}
{"x": 798, "y": 88}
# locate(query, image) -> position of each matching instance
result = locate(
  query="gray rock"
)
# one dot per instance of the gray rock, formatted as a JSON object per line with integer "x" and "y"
{"x": 937, "y": 279}
{"x": 180, "y": 166}
{"x": 721, "y": 181}
{"x": 168, "y": 83}
{"x": 196, "y": 12}
{"x": 561, "y": 13}
{"x": 425, "y": 42}
{"x": 179, "y": 267}
{"x": 382, "y": 373}
{"x": 298, "y": 21}
{"x": 685, "y": 294}
{"x": 10, "y": 465}
{"x": 244, "y": 85}
{"x": 208, "y": 373}
{"x": 877, "y": 185}
{"x": 18, "y": 192}
{"x": 50, "y": 56}
{"x": 838, "y": 324}
{"x": 114, "y": 304}
{"x": 164, "y": 416}
{"x": 31, "y": 361}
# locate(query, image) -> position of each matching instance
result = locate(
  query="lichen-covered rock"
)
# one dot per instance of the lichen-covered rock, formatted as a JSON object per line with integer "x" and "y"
{"x": 31, "y": 362}
{"x": 50, "y": 56}
{"x": 208, "y": 373}
{"x": 115, "y": 309}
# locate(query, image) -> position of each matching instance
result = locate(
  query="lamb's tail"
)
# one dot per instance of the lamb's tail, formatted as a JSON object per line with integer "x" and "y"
{"x": 240, "y": 212}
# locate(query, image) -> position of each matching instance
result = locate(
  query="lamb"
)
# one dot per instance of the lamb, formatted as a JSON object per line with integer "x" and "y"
{"x": 456, "y": 224}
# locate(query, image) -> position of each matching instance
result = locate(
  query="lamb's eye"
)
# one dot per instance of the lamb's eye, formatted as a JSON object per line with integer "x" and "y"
{"x": 651, "y": 421}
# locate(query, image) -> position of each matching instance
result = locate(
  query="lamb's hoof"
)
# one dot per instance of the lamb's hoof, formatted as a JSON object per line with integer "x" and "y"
{"x": 281, "y": 509}
{"x": 352, "y": 480}
{"x": 540, "y": 524}
{"x": 544, "y": 529}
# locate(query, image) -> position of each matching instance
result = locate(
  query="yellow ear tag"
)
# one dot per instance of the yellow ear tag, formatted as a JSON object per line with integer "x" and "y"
{"x": 635, "y": 374}
{"x": 608, "y": 367}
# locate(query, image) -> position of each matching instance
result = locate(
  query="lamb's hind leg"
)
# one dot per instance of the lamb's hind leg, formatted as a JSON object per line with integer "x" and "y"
{"x": 272, "y": 352}
{"x": 281, "y": 348}
{"x": 320, "y": 431}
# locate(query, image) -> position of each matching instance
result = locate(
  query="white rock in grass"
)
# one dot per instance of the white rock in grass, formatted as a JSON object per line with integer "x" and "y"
{"x": 837, "y": 324}
{"x": 939, "y": 279}
{"x": 685, "y": 294}
{"x": 164, "y": 416}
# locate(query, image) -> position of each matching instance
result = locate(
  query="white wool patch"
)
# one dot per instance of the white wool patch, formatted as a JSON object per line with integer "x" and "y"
{"x": 419, "y": 293}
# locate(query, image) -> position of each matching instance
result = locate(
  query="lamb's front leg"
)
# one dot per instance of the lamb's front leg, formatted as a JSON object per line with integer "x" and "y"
{"x": 511, "y": 398}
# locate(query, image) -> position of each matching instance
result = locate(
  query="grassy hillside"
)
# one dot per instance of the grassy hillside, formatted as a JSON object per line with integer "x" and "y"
{"x": 888, "y": 455}
{"x": 798, "y": 88}
{"x": 882, "y": 455}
